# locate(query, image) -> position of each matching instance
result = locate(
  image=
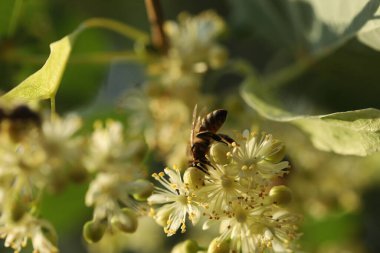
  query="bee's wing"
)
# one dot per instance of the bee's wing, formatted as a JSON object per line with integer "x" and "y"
{"x": 194, "y": 125}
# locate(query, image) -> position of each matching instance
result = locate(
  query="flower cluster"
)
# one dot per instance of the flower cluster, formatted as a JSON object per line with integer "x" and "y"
{"x": 239, "y": 193}
{"x": 193, "y": 49}
{"x": 36, "y": 155}
{"x": 41, "y": 155}
{"x": 116, "y": 187}
{"x": 162, "y": 109}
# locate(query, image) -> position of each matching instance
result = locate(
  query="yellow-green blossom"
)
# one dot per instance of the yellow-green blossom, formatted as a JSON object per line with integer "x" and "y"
{"x": 177, "y": 202}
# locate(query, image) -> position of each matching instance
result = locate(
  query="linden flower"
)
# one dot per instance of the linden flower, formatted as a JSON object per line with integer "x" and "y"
{"x": 106, "y": 145}
{"x": 40, "y": 232}
{"x": 193, "y": 49}
{"x": 169, "y": 116}
{"x": 103, "y": 193}
{"x": 221, "y": 187}
{"x": 108, "y": 151}
{"x": 58, "y": 137}
{"x": 108, "y": 192}
{"x": 23, "y": 160}
{"x": 61, "y": 129}
{"x": 259, "y": 228}
{"x": 64, "y": 149}
{"x": 177, "y": 199}
{"x": 256, "y": 158}
{"x": 193, "y": 37}
{"x": 236, "y": 227}
{"x": 279, "y": 230}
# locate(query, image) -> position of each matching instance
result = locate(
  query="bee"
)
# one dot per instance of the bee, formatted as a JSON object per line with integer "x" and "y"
{"x": 203, "y": 133}
{"x": 23, "y": 114}
{"x": 19, "y": 120}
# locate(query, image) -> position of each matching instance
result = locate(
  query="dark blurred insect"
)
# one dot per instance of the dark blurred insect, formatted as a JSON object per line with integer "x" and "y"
{"x": 203, "y": 132}
{"x": 19, "y": 114}
{"x": 20, "y": 119}
{"x": 23, "y": 113}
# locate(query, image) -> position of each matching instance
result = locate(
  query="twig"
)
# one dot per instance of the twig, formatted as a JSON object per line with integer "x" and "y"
{"x": 155, "y": 16}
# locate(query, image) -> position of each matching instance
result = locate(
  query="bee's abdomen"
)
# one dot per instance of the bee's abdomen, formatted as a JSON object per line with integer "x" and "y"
{"x": 213, "y": 121}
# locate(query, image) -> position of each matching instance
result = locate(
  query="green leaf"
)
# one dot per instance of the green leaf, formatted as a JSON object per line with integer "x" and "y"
{"x": 351, "y": 18}
{"x": 348, "y": 133}
{"x": 370, "y": 33}
{"x": 314, "y": 26}
{"x": 44, "y": 83}
{"x": 345, "y": 19}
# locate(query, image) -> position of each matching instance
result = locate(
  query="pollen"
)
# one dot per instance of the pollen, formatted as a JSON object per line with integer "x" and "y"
{"x": 183, "y": 228}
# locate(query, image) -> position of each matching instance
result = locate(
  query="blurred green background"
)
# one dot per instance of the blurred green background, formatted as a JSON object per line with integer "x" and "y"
{"x": 346, "y": 79}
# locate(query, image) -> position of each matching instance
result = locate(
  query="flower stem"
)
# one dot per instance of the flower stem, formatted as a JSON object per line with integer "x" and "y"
{"x": 121, "y": 28}
{"x": 52, "y": 108}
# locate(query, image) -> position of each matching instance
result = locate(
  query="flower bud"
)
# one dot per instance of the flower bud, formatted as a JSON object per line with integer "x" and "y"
{"x": 218, "y": 152}
{"x": 217, "y": 246}
{"x": 194, "y": 177}
{"x": 141, "y": 189}
{"x": 279, "y": 155}
{"x": 188, "y": 246}
{"x": 125, "y": 221}
{"x": 280, "y": 195}
{"x": 94, "y": 230}
{"x": 162, "y": 216}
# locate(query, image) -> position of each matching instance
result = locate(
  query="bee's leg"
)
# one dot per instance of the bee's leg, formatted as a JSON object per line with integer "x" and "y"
{"x": 226, "y": 138}
{"x": 206, "y": 135}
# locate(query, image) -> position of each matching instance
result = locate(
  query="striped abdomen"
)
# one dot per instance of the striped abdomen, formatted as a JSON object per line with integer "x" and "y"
{"x": 213, "y": 121}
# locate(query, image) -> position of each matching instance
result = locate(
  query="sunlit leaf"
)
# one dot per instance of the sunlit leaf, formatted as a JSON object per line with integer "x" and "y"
{"x": 312, "y": 25}
{"x": 349, "y": 133}
{"x": 351, "y": 18}
{"x": 371, "y": 38}
{"x": 370, "y": 33}
{"x": 44, "y": 83}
